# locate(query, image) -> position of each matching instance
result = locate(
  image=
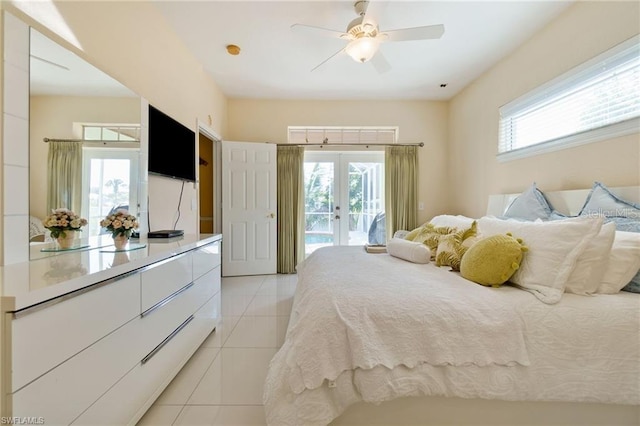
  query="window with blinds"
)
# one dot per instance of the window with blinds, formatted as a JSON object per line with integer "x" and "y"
{"x": 300, "y": 135}
{"x": 598, "y": 100}
{"x": 107, "y": 132}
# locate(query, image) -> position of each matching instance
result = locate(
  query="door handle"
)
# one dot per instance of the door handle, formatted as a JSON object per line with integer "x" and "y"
{"x": 271, "y": 215}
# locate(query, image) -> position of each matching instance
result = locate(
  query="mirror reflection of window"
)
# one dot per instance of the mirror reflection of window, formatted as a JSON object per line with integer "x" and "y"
{"x": 111, "y": 177}
{"x": 111, "y": 133}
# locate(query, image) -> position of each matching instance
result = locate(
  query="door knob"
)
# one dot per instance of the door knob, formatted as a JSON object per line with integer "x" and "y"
{"x": 271, "y": 215}
{"x": 337, "y": 216}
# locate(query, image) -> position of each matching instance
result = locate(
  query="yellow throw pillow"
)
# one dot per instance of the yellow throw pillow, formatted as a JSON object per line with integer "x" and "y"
{"x": 413, "y": 234}
{"x": 492, "y": 260}
{"x": 452, "y": 247}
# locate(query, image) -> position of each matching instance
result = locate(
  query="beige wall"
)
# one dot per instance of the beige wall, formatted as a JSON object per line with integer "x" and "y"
{"x": 419, "y": 121}
{"x": 132, "y": 42}
{"x": 53, "y": 117}
{"x": 583, "y": 31}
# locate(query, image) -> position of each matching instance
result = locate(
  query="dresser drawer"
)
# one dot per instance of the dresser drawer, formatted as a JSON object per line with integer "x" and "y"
{"x": 46, "y": 337}
{"x": 165, "y": 278}
{"x": 206, "y": 258}
{"x": 66, "y": 391}
{"x": 144, "y": 383}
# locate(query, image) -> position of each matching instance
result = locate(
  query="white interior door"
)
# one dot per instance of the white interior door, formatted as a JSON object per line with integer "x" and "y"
{"x": 248, "y": 208}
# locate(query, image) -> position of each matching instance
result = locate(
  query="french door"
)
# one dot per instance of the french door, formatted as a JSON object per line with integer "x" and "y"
{"x": 110, "y": 179}
{"x": 344, "y": 197}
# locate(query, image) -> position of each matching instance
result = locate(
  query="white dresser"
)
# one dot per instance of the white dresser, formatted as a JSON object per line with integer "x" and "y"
{"x": 94, "y": 337}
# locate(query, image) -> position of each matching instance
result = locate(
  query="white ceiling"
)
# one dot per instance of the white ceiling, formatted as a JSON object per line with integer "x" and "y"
{"x": 275, "y": 62}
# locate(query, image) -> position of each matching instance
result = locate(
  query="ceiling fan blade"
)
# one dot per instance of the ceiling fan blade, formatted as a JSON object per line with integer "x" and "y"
{"x": 417, "y": 33}
{"x": 319, "y": 31}
{"x": 380, "y": 63}
{"x": 328, "y": 59}
{"x": 375, "y": 10}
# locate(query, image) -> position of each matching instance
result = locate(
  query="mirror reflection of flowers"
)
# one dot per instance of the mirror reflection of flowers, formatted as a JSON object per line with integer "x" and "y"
{"x": 62, "y": 220}
{"x": 120, "y": 223}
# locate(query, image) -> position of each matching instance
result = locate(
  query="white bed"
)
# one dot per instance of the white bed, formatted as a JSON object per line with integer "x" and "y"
{"x": 434, "y": 334}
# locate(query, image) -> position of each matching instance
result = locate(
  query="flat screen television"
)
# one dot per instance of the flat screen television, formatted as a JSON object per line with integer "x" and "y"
{"x": 172, "y": 147}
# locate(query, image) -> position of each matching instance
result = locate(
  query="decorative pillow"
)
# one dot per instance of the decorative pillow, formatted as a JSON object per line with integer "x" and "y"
{"x": 450, "y": 221}
{"x": 530, "y": 205}
{"x": 408, "y": 250}
{"x": 554, "y": 248}
{"x": 412, "y": 235}
{"x": 626, "y": 224}
{"x": 429, "y": 235}
{"x": 624, "y": 262}
{"x": 590, "y": 266}
{"x": 634, "y": 285}
{"x": 602, "y": 201}
{"x": 451, "y": 247}
{"x": 400, "y": 234}
{"x": 492, "y": 260}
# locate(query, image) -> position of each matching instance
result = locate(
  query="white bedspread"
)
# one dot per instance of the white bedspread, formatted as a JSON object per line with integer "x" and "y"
{"x": 374, "y": 327}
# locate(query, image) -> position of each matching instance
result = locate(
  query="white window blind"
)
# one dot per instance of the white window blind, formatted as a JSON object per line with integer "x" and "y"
{"x": 109, "y": 132}
{"x": 301, "y": 135}
{"x": 598, "y": 100}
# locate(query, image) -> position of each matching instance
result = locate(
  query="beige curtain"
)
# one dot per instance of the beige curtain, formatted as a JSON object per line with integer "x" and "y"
{"x": 64, "y": 176}
{"x": 401, "y": 188}
{"x": 290, "y": 208}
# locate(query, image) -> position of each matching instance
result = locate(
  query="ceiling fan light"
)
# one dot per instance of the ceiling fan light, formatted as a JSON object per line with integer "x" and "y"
{"x": 362, "y": 49}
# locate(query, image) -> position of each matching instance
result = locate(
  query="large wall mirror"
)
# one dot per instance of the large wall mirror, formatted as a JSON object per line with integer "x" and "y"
{"x": 79, "y": 111}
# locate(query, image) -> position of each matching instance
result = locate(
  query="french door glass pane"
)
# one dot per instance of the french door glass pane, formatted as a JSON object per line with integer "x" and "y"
{"x": 366, "y": 199}
{"x": 109, "y": 190}
{"x": 319, "y": 204}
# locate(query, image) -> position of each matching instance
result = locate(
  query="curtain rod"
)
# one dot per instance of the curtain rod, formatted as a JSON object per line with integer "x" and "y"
{"x": 85, "y": 140}
{"x": 61, "y": 140}
{"x": 420, "y": 144}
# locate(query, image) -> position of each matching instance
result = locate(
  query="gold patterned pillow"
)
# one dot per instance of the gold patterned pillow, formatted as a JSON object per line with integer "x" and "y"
{"x": 451, "y": 247}
{"x": 429, "y": 235}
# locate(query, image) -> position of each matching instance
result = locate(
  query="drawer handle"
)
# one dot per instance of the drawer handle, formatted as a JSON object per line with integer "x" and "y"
{"x": 166, "y": 340}
{"x": 48, "y": 303}
{"x": 167, "y": 299}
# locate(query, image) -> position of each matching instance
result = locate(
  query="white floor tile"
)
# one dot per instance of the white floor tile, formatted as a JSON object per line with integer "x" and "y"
{"x": 242, "y": 285}
{"x": 258, "y": 332}
{"x": 236, "y": 377}
{"x": 279, "y": 284}
{"x": 198, "y": 415}
{"x": 223, "y": 330}
{"x": 160, "y": 415}
{"x": 270, "y": 304}
{"x": 241, "y": 415}
{"x": 222, "y": 415}
{"x": 186, "y": 381}
{"x": 235, "y": 304}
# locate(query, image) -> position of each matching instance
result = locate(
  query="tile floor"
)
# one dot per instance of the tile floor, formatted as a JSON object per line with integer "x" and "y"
{"x": 222, "y": 383}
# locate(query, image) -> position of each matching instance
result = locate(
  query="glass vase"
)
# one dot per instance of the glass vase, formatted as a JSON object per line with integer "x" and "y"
{"x": 66, "y": 241}
{"x": 120, "y": 241}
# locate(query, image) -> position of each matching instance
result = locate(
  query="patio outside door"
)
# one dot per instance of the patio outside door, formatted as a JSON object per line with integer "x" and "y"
{"x": 343, "y": 194}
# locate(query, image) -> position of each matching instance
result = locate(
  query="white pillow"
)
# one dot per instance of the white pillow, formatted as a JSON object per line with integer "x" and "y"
{"x": 409, "y": 250}
{"x": 451, "y": 221}
{"x": 554, "y": 248}
{"x": 624, "y": 262}
{"x": 591, "y": 265}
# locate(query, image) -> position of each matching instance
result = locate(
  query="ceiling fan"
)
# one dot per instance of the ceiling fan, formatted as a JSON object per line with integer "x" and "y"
{"x": 364, "y": 37}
